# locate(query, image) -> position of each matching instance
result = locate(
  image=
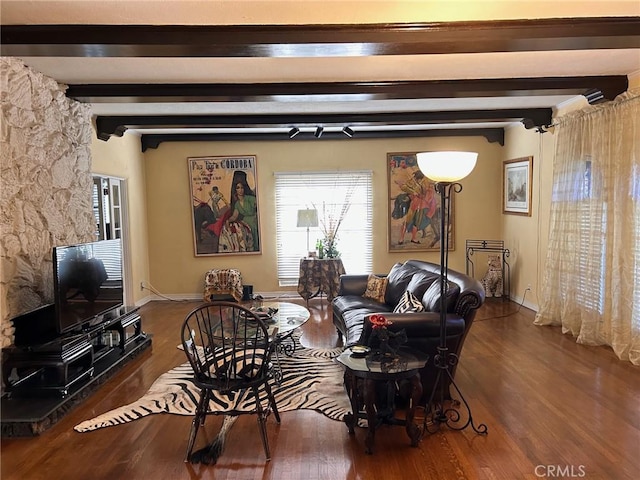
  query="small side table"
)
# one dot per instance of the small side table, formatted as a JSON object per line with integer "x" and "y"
{"x": 361, "y": 377}
{"x": 319, "y": 276}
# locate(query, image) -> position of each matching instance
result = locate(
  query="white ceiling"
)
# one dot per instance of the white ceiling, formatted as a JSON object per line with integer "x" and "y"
{"x": 302, "y": 12}
{"x": 321, "y": 65}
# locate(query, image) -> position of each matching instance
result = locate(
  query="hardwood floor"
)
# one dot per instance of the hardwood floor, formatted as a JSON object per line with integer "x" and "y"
{"x": 554, "y": 409}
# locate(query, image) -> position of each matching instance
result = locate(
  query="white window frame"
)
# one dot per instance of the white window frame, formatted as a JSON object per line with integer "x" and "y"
{"x": 302, "y": 190}
{"x": 112, "y": 219}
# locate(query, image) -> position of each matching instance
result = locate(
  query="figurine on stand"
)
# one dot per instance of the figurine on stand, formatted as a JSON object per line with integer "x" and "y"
{"x": 384, "y": 344}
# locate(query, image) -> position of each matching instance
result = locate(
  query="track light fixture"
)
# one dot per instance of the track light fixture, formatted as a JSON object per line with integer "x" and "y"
{"x": 293, "y": 132}
{"x": 319, "y": 131}
{"x": 348, "y": 132}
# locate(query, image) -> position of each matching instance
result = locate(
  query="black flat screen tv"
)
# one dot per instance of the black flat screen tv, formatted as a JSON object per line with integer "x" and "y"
{"x": 87, "y": 283}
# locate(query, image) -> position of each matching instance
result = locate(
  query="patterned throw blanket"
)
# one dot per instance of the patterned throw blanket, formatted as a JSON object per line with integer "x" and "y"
{"x": 223, "y": 281}
{"x": 311, "y": 380}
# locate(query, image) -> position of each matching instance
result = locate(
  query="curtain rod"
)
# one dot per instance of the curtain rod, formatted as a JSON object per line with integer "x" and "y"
{"x": 633, "y": 94}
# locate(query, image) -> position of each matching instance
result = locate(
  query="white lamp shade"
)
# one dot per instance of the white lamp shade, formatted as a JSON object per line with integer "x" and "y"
{"x": 446, "y": 166}
{"x": 308, "y": 218}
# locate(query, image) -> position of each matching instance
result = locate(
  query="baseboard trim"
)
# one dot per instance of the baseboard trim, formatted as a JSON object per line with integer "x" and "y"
{"x": 181, "y": 297}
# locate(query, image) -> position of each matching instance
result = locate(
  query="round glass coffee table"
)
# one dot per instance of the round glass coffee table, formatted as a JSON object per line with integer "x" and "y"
{"x": 288, "y": 317}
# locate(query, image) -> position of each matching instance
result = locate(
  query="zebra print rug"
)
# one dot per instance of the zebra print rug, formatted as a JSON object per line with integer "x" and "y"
{"x": 311, "y": 380}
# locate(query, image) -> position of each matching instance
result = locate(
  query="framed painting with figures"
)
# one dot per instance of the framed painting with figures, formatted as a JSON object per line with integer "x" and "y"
{"x": 517, "y": 186}
{"x": 414, "y": 207}
{"x": 225, "y": 213}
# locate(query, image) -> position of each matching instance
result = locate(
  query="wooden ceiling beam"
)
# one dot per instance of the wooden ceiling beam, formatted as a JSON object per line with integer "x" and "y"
{"x": 320, "y": 40}
{"x": 154, "y": 140}
{"x": 609, "y": 85}
{"x": 107, "y": 126}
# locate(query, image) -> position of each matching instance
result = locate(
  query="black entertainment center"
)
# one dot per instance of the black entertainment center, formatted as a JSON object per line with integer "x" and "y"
{"x": 62, "y": 349}
{"x": 34, "y": 366}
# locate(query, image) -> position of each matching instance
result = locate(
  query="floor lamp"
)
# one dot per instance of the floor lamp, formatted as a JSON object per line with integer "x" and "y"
{"x": 308, "y": 218}
{"x": 446, "y": 169}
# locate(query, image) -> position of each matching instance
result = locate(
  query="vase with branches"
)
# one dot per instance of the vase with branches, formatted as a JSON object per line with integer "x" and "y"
{"x": 332, "y": 216}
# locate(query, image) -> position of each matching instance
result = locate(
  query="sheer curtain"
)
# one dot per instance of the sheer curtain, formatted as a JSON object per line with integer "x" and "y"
{"x": 592, "y": 282}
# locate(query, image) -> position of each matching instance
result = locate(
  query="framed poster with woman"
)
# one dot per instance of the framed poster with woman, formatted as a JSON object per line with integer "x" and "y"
{"x": 414, "y": 207}
{"x": 224, "y": 201}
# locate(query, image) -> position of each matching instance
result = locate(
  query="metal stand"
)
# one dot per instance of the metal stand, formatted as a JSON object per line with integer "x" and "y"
{"x": 491, "y": 246}
{"x": 444, "y": 360}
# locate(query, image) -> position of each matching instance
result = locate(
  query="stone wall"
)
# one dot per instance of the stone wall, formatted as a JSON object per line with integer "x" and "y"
{"x": 45, "y": 186}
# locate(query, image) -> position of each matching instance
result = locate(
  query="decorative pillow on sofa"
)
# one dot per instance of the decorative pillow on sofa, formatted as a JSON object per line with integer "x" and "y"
{"x": 409, "y": 303}
{"x": 376, "y": 286}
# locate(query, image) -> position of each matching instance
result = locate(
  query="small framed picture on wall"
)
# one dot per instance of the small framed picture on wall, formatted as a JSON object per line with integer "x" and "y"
{"x": 517, "y": 179}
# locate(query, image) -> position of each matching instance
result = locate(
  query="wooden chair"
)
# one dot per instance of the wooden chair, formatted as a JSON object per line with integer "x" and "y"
{"x": 229, "y": 349}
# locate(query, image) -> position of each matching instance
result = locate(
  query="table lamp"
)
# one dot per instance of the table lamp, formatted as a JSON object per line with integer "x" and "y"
{"x": 308, "y": 218}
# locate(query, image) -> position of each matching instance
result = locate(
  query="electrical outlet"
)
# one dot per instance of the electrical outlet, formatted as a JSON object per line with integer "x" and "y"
{"x": 141, "y": 286}
{"x": 529, "y": 286}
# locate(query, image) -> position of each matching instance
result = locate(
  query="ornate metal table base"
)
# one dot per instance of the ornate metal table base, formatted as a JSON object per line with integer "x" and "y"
{"x": 286, "y": 345}
{"x": 288, "y": 317}
{"x": 362, "y": 393}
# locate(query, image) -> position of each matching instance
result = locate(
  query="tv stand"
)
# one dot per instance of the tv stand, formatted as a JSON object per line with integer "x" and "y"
{"x": 129, "y": 328}
{"x": 53, "y": 366}
{"x": 58, "y": 364}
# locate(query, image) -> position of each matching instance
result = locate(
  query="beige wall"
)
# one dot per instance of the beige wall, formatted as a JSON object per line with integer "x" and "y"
{"x": 174, "y": 270}
{"x": 526, "y": 237}
{"x": 121, "y": 157}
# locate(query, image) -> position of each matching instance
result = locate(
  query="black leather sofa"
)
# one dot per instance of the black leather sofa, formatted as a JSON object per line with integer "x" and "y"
{"x": 464, "y": 296}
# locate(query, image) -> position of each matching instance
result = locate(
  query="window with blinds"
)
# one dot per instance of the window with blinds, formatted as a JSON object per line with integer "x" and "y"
{"x": 328, "y": 193}
{"x": 592, "y": 255}
{"x": 107, "y": 207}
{"x": 592, "y": 228}
{"x": 635, "y": 195}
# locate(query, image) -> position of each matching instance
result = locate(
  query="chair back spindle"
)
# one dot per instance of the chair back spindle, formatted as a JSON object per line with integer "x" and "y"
{"x": 229, "y": 348}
